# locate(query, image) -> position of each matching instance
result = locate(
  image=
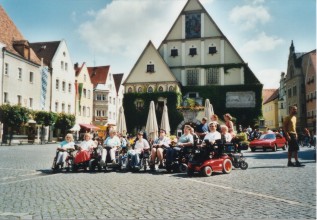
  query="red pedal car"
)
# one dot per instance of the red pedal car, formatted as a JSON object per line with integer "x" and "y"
{"x": 208, "y": 159}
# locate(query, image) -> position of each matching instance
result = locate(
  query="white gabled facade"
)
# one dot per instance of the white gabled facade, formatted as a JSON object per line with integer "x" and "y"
{"x": 63, "y": 81}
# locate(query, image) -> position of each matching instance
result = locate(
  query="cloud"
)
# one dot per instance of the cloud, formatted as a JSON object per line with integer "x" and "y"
{"x": 248, "y": 16}
{"x": 124, "y": 27}
{"x": 270, "y": 78}
{"x": 262, "y": 42}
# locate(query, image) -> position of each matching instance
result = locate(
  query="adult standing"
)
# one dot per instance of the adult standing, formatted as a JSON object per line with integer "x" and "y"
{"x": 228, "y": 121}
{"x": 289, "y": 126}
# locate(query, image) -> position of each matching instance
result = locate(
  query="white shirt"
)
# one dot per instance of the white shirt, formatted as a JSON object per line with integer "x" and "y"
{"x": 140, "y": 145}
{"x": 112, "y": 142}
{"x": 212, "y": 136}
{"x": 86, "y": 144}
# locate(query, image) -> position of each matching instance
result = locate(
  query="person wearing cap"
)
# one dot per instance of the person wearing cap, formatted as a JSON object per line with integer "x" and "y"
{"x": 140, "y": 145}
{"x": 202, "y": 128}
{"x": 113, "y": 142}
{"x": 159, "y": 145}
{"x": 184, "y": 142}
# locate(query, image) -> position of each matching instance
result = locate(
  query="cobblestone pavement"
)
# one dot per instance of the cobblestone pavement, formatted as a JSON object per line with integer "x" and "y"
{"x": 268, "y": 189}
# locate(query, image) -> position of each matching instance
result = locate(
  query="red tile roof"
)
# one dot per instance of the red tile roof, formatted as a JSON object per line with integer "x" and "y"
{"x": 45, "y": 50}
{"x": 98, "y": 74}
{"x": 267, "y": 93}
{"x": 272, "y": 97}
{"x": 13, "y": 39}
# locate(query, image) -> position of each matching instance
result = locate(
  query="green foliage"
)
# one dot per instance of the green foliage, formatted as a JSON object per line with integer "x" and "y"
{"x": 217, "y": 96}
{"x": 13, "y": 117}
{"x": 136, "y": 118}
{"x": 45, "y": 118}
{"x": 64, "y": 122}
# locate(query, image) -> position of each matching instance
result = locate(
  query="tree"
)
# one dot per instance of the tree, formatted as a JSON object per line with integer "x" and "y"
{"x": 44, "y": 118}
{"x": 64, "y": 122}
{"x": 13, "y": 117}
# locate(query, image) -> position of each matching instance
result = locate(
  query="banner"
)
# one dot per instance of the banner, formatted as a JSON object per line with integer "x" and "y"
{"x": 44, "y": 76}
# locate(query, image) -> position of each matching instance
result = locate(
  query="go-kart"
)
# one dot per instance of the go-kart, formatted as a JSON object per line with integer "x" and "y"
{"x": 207, "y": 159}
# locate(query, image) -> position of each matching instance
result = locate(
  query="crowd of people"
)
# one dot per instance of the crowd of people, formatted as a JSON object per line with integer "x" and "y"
{"x": 165, "y": 148}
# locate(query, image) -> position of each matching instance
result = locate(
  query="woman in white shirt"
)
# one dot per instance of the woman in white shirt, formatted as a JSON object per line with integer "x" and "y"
{"x": 68, "y": 143}
{"x": 140, "y": 145}
{"x": 112, "y": 142}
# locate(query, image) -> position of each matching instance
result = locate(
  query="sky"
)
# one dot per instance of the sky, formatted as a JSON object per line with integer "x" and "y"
{"x": 115, "y": 32}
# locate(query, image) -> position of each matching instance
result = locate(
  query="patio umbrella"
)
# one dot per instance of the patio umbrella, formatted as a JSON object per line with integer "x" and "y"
{"x": 121, "y": 124}
{"x": 209, "y": 111}
{"x": 151, "y": 124}
{"x": 165, "y": 124}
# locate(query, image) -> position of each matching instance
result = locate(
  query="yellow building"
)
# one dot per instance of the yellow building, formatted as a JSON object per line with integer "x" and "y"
{"x": 270, "y": 111}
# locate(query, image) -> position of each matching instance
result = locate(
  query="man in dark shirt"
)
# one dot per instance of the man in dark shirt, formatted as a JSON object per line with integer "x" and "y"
{"x": 202, "y": 128}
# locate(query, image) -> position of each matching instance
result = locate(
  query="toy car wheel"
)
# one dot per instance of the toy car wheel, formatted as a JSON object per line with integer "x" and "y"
{"x": 207, "y": 171}
{"x": 244, "y": 165}
{"x": 183, "y": 168}
{"x": 227, "y": 166}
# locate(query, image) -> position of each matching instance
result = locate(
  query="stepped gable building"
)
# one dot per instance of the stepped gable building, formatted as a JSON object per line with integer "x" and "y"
{"x": 301, "y": 87}
{"x": 60, "y": 70}
{"x": 196, "y": 57}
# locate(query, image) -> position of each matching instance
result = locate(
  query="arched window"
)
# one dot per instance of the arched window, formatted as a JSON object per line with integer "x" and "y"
{"x": 171, "y": 89}
{"x": 150, "y": 89}
{"x": 139, "y": 89}
{"x": 160, "y": 89}
{"x": 130, "y": 90}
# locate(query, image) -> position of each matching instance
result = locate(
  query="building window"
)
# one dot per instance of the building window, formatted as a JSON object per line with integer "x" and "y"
{"x": 150, "y": 68}
{"x": 139, "y": 104}
{"x": 31, "y": 77}
{"x": 193, "y": 25}
{"x": 84, "y": 111}
{"x": 63, "y": 86}
{"x": 130, "y": 90}
{"x": 5, "y": 97}
{"x": 85, "y": 78}
{"x": 57, "y": 84}
{"x": 69, "y": 87}
{"x": 6, "y": 69}
{"x": 19, "y": 100}
{"x": 88, "y": 94}
{"x": 66, "y": 66}
{"x": 150, "y": 89}
{"x": 294, "y": 91}
{"x": 192, "y": 51}
{"x": 174, "y": 52}
{"x": 63, "y": 107}
{"x": 160, "y": 89}
{"x": 140, "y": 90}
{"x": 56, "y": 106}
{"x": 69, "y": 108}
{"x": 212, "y": 50}
{"x": 62, "y": 65}
{"x": 289, "y": 93}
{"x": 31, "y": 102}
{"x": 192, "y": 77}
{"x": 88, "y": 112}
{"x": 20, "y": 73}
{"x": 212, "y": 76}
{"x": 171, "y": 89}
{"x": 84, "y": 93}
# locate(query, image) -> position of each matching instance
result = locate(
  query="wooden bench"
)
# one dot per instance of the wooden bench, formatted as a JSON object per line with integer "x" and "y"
{"x": 19, "y": 139}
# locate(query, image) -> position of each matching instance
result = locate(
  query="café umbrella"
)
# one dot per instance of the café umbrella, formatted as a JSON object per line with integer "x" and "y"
{"x": 151, "y": 127}
{"x": 121, "y": 123}
{"x": 165, "y": 124}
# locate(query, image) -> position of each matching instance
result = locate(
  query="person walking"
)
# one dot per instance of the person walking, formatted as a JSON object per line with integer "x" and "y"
{"x": 289, "y": 127}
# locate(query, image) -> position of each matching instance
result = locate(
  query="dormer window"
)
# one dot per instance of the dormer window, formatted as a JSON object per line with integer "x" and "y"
{"x": 192, "y": 51}
{"x": 174, "y": 52}
{"x": 212, "y": 50}
{"x": 150, "y": 68}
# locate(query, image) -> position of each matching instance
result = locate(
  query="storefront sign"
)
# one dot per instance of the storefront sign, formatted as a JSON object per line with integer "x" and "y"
{"x": 240, "y": 99}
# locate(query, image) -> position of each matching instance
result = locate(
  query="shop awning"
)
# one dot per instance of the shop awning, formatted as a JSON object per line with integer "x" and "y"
{"x": 89, "y": 127}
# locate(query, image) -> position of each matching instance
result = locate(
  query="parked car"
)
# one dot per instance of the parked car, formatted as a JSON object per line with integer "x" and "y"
{"x": 271, "y": 141}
